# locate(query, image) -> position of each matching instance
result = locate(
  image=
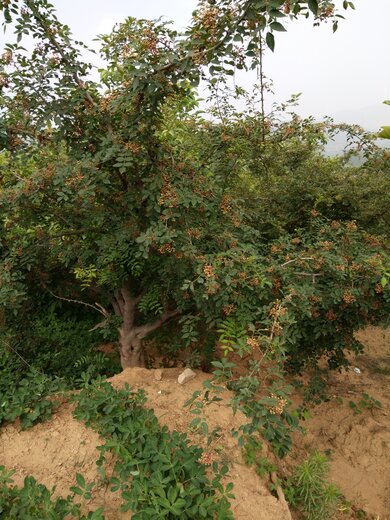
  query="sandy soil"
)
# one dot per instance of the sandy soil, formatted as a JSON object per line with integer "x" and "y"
{"x": 359, "y": 445}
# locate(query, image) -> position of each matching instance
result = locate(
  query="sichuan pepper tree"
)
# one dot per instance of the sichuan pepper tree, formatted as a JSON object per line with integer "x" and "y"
{"x": 102, "y": 203}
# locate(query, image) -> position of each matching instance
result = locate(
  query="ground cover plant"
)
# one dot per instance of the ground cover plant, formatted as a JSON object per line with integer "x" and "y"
{"x": 27, "y": 395}
{"x": 309, "y": 489}
{"x": 159, "y": 473}
{"x": 34, "y": 500}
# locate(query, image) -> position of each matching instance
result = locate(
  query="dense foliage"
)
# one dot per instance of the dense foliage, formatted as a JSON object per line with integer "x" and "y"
{"x": 108, "y": 192}
{"x": 25, "y": 395}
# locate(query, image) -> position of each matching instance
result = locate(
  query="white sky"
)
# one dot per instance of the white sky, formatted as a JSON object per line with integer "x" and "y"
{"x": 345, "y": 75}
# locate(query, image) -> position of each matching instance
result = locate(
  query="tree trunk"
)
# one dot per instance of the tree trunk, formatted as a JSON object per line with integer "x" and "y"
{"x": 131, "y": 348}
{"x": 130, "y": 335}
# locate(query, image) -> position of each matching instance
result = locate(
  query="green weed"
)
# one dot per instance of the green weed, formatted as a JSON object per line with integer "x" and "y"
{"x": 253, "y": 457}
{"x": 27, "y": 396}
{"x": 35, "y": 501}
{"x": 309, "y": 490}
{"x": 367, "y": 402}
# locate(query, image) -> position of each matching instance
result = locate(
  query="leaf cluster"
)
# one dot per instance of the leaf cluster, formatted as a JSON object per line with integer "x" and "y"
{"x": 29, "y": 397}
{"x": 34, "y": 500}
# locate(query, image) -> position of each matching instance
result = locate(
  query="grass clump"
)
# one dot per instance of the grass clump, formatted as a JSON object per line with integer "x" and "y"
{"x": 309, "y": 490}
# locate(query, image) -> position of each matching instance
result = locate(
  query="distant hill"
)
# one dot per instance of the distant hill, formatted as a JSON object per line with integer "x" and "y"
{"x": 371, "y": 117}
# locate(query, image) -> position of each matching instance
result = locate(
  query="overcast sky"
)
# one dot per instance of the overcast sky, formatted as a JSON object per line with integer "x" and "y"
{"x": 345, "y": 75}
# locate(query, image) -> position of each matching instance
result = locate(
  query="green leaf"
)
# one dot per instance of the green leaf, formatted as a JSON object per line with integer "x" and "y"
{"x": 385, "y": 132}
{"x": 195, "y": 422}
{"x": 96, "y": 515}
{"x": 229, "y": 487}
{"x": 270, "y": 41}
{"x": 76, "y": 490}
{"x": 177, "y": 507}
{"x": 313, "y": 6}
{"x": 276, "y": 14}
{"x": 172, "y": 494}
{"x": 7, "y": 16}
{"x": 80, "y": 480}
{"x": 277, "y": 26}
{"x": 204, "y": 428}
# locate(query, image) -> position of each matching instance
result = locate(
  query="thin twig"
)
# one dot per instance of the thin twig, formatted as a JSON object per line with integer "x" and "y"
{"x": 296, "y": 260}
{"x": 17, "y": 353}
{"x": 97, "y": 307}
{"x": 313, "y": 275}
{"x": 262, "y": 87}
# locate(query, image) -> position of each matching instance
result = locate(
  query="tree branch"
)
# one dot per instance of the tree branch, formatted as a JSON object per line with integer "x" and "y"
{"x": 125, "y": 304}
{"x": 116, "y": 308}
{"x": 297, "y": 259}
{"x": 228, "y": 32}
{"x": 144, "y": 330}
{"x": 41, "y": 20}
{"x": 130, "y": 304}
{"x": 97, "y": 307}
{"x": 119, "y": 303}
{"x": 312, "y": 275}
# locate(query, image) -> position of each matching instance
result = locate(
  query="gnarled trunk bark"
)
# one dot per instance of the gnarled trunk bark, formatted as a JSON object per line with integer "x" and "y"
{"x": 130, "y": 335}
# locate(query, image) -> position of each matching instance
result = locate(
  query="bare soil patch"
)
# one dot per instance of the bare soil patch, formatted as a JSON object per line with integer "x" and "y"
{"x": 358, "y": 444}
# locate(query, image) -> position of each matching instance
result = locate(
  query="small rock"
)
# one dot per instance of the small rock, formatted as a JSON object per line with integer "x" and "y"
{"x": 186, "y": 376}
{"x": 158, "y": 374}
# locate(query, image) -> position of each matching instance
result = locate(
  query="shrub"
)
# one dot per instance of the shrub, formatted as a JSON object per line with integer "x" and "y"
{"x": 59, "y": 342}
